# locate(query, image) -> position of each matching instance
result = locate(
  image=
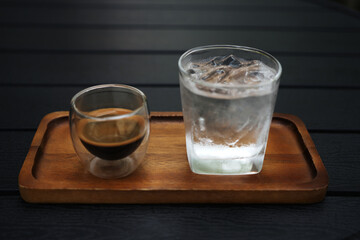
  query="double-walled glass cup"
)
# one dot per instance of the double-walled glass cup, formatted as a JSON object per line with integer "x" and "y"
{"x": 109, "y": 127}
{"x": 228, "y": 95}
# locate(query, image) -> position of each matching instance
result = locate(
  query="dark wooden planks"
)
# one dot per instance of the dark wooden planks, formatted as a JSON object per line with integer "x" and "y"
{"x": 339, "y": 153}
{"x": 335, "y": 110}
{"x": 159, "y": 69}
{"x": 157, "y": 3}
{"x": 89, "y": 69}
{"x": 319, "y": 109}
{"x": 183, "y": 18}
{"x": 168, "y": 40}
{"x": 322, "y": 109}
{"x": 317, "y": 221}
{"x": 14, "y": 146}
{"x": 38, "y": 101}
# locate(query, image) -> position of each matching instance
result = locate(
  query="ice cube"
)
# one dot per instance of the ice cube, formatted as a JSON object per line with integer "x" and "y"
{"x": 231, "y": 61}
{"x": 202, "y": 124}
{"x": 216, "y": 61}
{"x": 216, "y": 75}
{"x": 229, "y": 70}
{"x": 191, "y": 71}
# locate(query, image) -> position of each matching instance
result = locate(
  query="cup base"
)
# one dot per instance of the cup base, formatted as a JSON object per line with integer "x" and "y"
{"x": 241, "y": 166}
{"x": 112, "y": 169}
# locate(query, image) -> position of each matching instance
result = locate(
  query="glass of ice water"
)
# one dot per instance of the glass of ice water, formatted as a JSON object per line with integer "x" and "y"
{"x": 228, "y": 95}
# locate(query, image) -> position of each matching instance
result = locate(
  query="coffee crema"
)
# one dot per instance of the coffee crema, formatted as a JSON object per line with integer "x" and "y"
{"x": 111, "y": 139}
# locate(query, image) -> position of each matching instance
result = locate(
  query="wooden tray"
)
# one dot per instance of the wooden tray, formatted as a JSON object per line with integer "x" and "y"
{"x": 292, "y": 173}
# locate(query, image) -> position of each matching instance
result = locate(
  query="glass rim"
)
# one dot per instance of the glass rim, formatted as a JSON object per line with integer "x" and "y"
{"x": 104, "y": 86}
{"x": 227, "y": 47}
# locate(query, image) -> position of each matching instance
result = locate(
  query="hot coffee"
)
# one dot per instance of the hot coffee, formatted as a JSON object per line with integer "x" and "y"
{"x": 111, "y": 139}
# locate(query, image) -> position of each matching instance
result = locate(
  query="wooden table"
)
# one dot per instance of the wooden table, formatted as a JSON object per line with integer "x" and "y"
{"x": 51, "y": 50}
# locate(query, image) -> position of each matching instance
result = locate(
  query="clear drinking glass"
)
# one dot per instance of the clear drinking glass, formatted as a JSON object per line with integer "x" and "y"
{"x": 228, "y": 95}
{"x": 110, "y": 129}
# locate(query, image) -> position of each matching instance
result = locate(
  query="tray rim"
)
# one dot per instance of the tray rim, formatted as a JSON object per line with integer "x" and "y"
{"x": 28, "y": 183}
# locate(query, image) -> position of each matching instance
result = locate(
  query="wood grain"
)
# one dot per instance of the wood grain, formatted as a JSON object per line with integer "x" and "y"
{"x": 308, "y": 104}
{"x": 37, "y": 80}
{"x": 205, "y": 221}
{"x": 48, "y": 39}
{"x": 292, "y": 171}
{"x": 14, "y": 146}
{"x": 86, "y": 69}
{"x": 338, "y": 152}
{"x": 172, "y": 16}
{"x": 301, "y": 5}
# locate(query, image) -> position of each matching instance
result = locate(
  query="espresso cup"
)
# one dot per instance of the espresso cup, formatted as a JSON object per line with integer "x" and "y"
{"x": 110, "y": 129}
